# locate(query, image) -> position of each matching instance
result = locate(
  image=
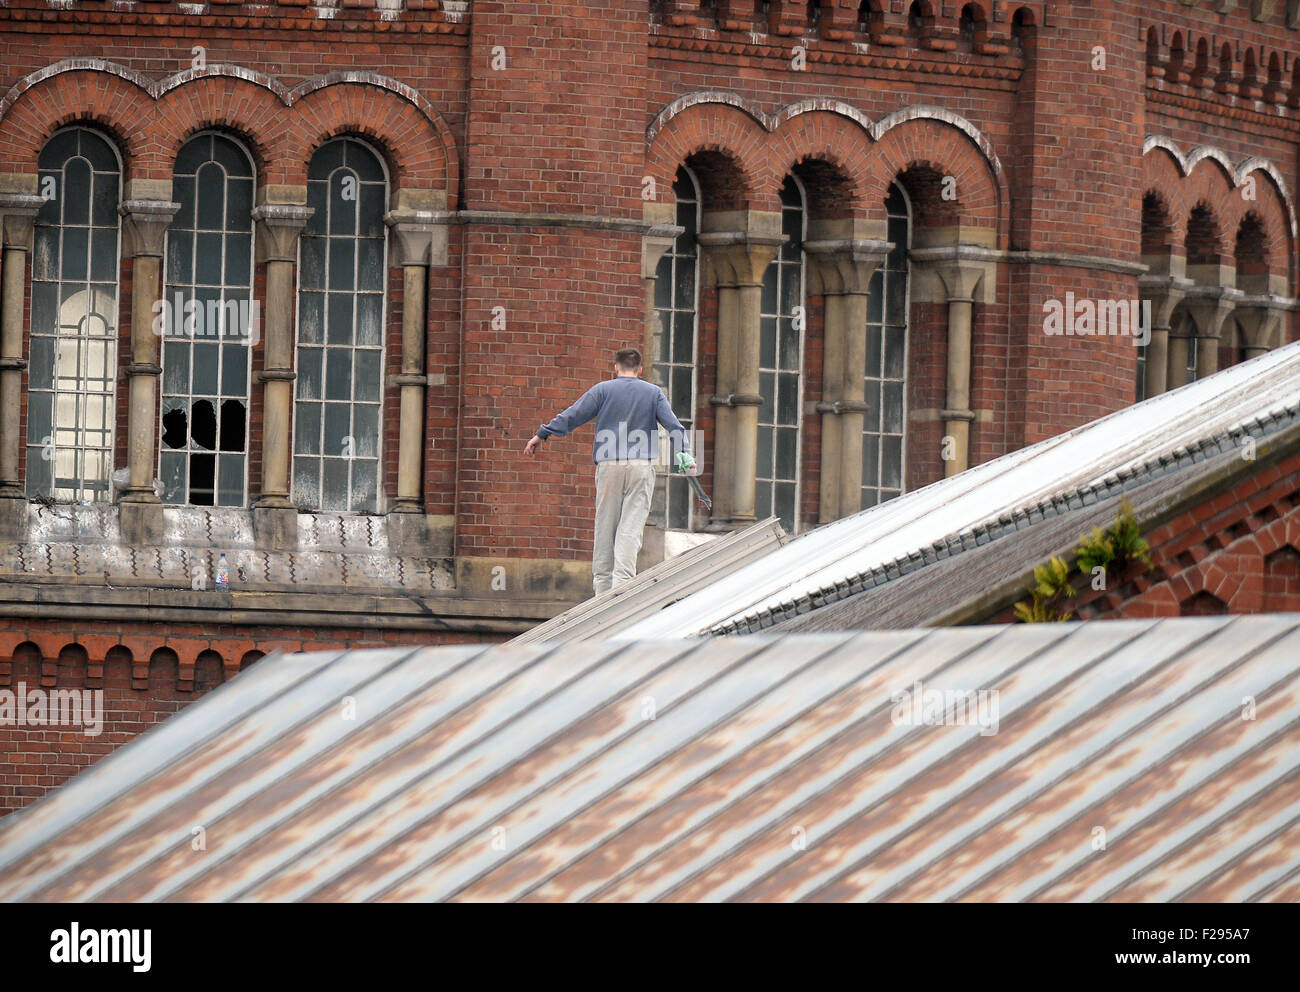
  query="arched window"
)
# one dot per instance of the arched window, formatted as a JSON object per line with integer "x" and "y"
{"x": 780, "y": 365}
{"x": 676, "y": 306}
{"x": 340, "y": 365}
{"x": 74, "y": 330}
{"x": 209, "y": 324}
{"x": 886, "y": 373}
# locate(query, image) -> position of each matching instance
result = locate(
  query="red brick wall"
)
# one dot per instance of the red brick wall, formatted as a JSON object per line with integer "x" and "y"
{"x": 1237, "y": 552}
{"x": 562, "y": 129}
{"x": 146, "y": 672}
{"x": 558, "y": 129}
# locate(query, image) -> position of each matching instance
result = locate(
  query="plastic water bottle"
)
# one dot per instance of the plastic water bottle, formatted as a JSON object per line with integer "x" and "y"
{"x": 223, "y": 573}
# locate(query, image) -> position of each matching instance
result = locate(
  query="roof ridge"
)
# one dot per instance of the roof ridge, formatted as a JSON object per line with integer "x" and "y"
{"x": 1121, "y": 480}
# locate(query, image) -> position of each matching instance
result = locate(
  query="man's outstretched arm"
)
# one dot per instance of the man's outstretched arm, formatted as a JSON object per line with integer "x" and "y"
{"x": 587, "y": 407}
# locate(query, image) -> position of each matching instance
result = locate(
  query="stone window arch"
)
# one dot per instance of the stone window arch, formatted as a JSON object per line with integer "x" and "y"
{"x": 676, "y": 341}
{"x": 72, "y": 367}
{"x": 209, "y": 325}
{"x": 340, "y": 342}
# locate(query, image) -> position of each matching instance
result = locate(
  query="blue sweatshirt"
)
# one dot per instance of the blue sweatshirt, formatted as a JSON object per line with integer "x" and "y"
{"x": 628, "y": 412}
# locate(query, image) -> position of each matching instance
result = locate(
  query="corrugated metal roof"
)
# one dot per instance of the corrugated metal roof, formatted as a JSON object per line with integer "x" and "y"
{"x": 1254, "y": 399}
{"x": 746, "y": 768}
{"x": 661, "y": 585}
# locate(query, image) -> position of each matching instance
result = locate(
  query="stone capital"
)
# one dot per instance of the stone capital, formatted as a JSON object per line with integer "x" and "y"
{"x": 419, "y": 237}
{"x": 735, "y": 258}
{"x": 962, "y": 270}
{"x": 419, "y": 220}
{"x": 1260, "y": 319}
{"x": 19, "y": 211}
{"x": 1210, "y": 307}
{"x": 1165, "y": 292}
{"x": 278, "y": 227}
{"x": 738, "y": 245}
{"x": 145, "y": 224}
{"x": 840, "y": 267}
{"x": 663, "y": 231}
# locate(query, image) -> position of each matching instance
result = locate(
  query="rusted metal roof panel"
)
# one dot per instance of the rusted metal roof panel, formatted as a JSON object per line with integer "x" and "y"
{"x": 1129, "y": 760}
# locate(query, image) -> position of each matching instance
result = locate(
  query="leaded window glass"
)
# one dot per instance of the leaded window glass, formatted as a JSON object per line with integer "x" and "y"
{"x": 675, "y": 341}
{"x": 73, "y": 351}
{"x": 340, "y": 367}
{"x": 886, "y": 372}
{"x": 781, "y": 324}
{"x": 208, "y": 322}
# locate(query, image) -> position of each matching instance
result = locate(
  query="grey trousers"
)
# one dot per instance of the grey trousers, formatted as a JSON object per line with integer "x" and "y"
{"x": 623, "y": 494}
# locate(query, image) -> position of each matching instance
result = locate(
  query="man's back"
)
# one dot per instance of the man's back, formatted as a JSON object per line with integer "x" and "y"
{"x": 628, "y": 411}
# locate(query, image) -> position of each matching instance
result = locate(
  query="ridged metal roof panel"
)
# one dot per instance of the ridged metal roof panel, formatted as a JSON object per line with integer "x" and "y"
{"x": 746, "y": 768}
{"x": 1253, "y": 399}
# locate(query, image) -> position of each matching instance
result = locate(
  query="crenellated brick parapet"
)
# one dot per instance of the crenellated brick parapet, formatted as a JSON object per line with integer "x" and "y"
{"x": 389, "y": 16}
{"x": 72, "y": 692}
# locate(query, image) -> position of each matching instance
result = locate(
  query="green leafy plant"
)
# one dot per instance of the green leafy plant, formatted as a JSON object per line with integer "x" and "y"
{"x": 1116, "y": 547}
{"x": 1111, "y": 550}
{"x": 1046, "y": 596}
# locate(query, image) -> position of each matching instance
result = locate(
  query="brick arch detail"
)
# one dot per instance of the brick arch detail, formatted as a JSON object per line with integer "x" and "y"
{"x": 238, "y": 106}
{"x": 1162, "y": 176}
{"x": 1234, "y": 574}
{"x": 397, "y": 128}
{"x": 282, "y": 126}
{"x": 1206, "y": 175}
{"x": 947, "y": 149}
{"x": 116, "y": 105}
{"x": 828, "y": 138}
{"x": 720, "y": 127}
{"x": 869, "y": 154}
{"x": 1269, "y": 206}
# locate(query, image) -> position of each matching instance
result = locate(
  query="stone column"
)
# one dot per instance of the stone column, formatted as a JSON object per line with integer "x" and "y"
{"x": 737, "y": 260}
{"x": 1179, "y": 338}
{"x": 1209, "y": 306}
{"x": 840, "y": 270}
{"x": 962, "y": 271}
{"x": 418, "y": 225}
{"x": 147, "y": 210}
{"x": 281, "y": 215}
{"x": 19, "y": 205}
{"x": 1165, "y": 292}
{"x": 1260, "y": 318}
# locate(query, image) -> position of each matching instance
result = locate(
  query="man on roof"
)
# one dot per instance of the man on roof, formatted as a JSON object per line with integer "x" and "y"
{"x": 628, "y": 412}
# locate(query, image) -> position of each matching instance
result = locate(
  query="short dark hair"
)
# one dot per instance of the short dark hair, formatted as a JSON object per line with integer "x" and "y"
{"x": 628, "y": 359}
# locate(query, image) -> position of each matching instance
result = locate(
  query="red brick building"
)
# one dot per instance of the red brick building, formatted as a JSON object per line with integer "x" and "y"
{"x": 294, "y": 283}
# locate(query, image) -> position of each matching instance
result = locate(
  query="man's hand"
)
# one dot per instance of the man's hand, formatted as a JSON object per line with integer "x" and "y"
{"x": 531, "y": 447}
{"x": 685, "y": 463}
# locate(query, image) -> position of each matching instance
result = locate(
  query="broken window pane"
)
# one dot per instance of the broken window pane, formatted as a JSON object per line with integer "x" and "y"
{"x": 207, "y": 355}
{"x": 73, "y": 346}
{"x": 173, "y": 476}
{"x": 342, "y": 268}
{"x": 232, "y": 427}
{"x": 175, "y": 424}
